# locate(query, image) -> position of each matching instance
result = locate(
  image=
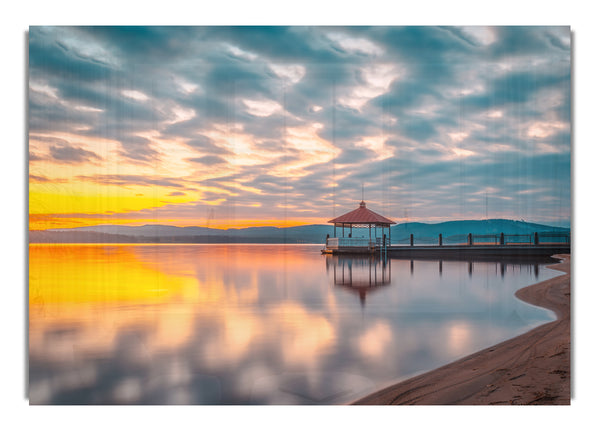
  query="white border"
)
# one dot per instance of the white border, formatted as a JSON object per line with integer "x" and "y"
{"x": 580, "y": 16}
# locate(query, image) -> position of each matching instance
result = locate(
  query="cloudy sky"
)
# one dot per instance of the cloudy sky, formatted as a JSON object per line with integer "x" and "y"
{"x": 245, "y": 126}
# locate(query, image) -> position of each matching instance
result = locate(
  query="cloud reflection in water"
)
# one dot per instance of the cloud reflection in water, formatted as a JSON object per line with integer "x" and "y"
{"x": 249, "y": 324}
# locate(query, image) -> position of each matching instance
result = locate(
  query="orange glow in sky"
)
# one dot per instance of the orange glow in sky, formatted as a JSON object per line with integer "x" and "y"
{"x": 92, "y": 183}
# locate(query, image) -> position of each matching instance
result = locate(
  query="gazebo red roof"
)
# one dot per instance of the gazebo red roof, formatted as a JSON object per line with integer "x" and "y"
{"x": 362, "y": 215}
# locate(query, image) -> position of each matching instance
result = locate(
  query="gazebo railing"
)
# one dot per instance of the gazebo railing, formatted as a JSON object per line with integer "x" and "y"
{"x": 355, "y": 242}
{"x": 348, "y": 242}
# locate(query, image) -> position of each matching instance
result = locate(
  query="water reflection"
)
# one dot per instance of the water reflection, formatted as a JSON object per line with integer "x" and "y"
{"x": 359, "y": 274}
{"x": 365, "y": 274}
{"x": 249, "y": 324}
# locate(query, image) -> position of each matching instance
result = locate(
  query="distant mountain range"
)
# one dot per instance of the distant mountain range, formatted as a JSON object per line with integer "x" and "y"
{"x": 452, "y": 231}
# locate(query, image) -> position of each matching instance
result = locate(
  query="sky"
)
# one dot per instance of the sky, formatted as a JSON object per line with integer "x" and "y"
{"x": 281, "y": 126}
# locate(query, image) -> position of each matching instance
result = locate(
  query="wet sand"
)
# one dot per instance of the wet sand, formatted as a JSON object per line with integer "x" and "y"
{"x": 532, "y": 368}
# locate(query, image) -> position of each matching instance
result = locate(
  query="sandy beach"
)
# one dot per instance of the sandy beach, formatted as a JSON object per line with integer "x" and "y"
{"x": 533, "y": 368}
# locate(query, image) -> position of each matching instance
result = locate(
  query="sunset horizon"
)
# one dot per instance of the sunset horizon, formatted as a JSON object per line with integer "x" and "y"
{"x": 244, "y": 224}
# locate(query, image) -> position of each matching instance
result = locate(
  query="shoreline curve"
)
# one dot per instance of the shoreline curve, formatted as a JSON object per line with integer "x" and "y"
{"x": 531, "y": 368}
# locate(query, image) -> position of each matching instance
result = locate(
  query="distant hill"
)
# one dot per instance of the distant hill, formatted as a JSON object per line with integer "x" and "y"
{"x": 452, "y": 231}
{"x": 458, "y": 230}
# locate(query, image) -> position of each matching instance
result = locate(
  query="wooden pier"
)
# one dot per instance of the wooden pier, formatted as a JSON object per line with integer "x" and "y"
{"x": 493, "y": 246}
{"x": 461, "y": 246}
{"x": 460, "y": 251}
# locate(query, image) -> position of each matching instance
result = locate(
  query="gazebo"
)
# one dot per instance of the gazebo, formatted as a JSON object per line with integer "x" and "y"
{"x": 362, "y": 217}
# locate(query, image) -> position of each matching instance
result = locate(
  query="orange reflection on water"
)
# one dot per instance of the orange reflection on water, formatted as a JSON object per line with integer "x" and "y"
{"x": 83, "y": 274}
{"x": 92, "y": 293}
{"x": 105, "y": 301}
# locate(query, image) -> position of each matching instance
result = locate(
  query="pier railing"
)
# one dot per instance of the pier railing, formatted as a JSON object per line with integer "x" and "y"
{"x": 534, "y": 238}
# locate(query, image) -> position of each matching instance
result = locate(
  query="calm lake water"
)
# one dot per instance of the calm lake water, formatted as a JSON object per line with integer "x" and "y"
{"x": 255, "y": 324}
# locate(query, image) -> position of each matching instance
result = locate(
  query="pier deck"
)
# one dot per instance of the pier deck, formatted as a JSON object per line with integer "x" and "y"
{"x": 460, "y": 250}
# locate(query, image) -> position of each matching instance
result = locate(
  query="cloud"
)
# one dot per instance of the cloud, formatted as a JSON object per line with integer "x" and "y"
{"x": 128, "y": 180}
{"x": 261, "y": 108}
{"x": 290, "y": 73}
{"x": 374, "y": 80}
{"x": 480, "y": 34}
{"x": 33, "y": 157}
{"x": 240, "y": 53}
{"x": 351, "y": 44}
{"x": 69, "y": 154}
{"x": 300, "y": 117}
{"x": 208, "y": 160}
{"x": 138, "y": 148}
{"x": 135, "y": 95}
{"x": 43, "y": 179}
